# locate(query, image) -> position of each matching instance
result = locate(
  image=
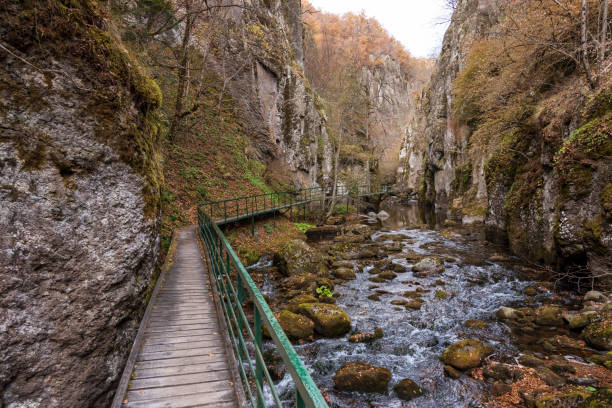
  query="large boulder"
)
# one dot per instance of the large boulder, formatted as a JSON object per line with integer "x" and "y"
{"x": 549, "y": 316}
{"x": 325, "y": 231}
{"x": 428, "y": 266}
{"x": 295, "y": 326}
{"x": 599, "y": 333}
{"x": 362, "y": 377}
{"x": 297, "y": 257}
{"x": 466, "y": 354}
{"x": 329, "y": 320}
{"x": 506, "y": 313}
{"x": 344, "y": 274}
{"x": 408, "y": 389}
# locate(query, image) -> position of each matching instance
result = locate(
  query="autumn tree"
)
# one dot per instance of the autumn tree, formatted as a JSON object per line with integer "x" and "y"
{"x": 572, "y": 30}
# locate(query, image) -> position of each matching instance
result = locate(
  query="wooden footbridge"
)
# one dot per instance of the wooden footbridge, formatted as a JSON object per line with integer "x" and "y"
{"x": 199, "y": 344}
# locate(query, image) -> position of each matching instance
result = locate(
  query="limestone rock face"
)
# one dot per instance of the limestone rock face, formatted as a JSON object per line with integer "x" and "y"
{"x": 79, "y": 207}
{"x": 564, "y": 220}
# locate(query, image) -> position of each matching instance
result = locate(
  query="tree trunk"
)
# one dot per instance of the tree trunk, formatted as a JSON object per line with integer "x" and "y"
{"x": 585, "y": 48}
{"x": 604, "y": 33}
{"x": 182, "y": 72}
{"x": 335, "y": 186}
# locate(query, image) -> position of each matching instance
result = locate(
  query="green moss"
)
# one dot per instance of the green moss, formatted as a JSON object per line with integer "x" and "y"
{"x": 303, "y": 226}
{"x": 595, "y": 227}
{"x": 463, "y": 177}
{"x": 110, "y": 52}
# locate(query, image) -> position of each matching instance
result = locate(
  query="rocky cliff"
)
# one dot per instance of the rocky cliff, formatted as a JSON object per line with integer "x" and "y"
{"x": 281, "y": 115}
{"x": 435, "y": 147}
{"x": 516, "y": 140}
{"x": 79, "y": 203}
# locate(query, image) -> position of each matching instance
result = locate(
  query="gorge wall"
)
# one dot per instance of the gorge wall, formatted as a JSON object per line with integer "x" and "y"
{"x": 80, "y": 181}
{"x": 517, "y": 141}
{"x": 280, "y": 113}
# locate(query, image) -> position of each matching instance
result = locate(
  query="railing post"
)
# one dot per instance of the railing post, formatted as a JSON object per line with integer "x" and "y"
{"x": 252, "y": 225}
{"x": 299, "y": 401}
{"x": 258, "y": 367}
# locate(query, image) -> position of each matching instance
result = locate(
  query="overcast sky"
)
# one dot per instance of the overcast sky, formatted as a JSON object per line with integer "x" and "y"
{"x": 412, "y": 22}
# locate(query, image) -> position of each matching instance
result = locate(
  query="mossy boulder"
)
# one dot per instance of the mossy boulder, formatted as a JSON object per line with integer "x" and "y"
{"x": 570, "y": 399}
{"x": 506, "y": 313}
{"x": 329, "y": 320}
{"x": 408, "y": 389}
{"x": 297, "y": 257}
{"x": 577, "y": 321}
{"x": 428, "y": 266}
{"x": 466, "y": 354}
{"x": 598, "y": 334}
{"x": 295, "y": 326}
{"x": 387, "y": 275}
{"x": 362, "y": 377}
{"x": 344, "y": 273}
{"x": 602, "y": 398}
{"x": 549, "y": 316}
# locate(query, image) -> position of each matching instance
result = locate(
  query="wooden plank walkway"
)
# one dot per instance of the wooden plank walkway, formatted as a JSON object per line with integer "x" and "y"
{"x": 183, "y": 361}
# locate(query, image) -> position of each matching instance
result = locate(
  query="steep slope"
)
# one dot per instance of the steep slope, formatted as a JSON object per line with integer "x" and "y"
{"x": 80, "y": 180}
{"x": 514, "y": 136}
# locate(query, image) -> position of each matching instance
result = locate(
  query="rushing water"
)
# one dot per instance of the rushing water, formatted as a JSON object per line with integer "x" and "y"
{"x": 415, "y": 339}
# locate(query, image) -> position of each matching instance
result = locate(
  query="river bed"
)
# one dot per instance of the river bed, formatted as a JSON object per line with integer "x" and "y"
{"x": 413, "y": 340}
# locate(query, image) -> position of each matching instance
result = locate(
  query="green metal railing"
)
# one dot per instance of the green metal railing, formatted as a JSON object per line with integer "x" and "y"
{"x": 234, "y": 286}
{"x": 236, "y": 209}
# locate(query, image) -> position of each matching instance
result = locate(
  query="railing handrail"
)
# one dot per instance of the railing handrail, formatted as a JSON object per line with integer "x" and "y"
{"x": 309, "y": 391}
{"x": 220, "y": 255}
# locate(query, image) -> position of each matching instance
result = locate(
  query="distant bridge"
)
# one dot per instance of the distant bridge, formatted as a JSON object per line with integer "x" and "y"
{"x": 197, "y": 346}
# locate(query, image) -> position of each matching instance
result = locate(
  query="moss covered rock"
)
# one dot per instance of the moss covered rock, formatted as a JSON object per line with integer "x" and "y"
{"x": 602, "y": 398}
{"x": 408, "y": 389}
{"x": 344, "y": 273}
{"x": 362, "y": 377}
{"x": 329, "y": 320}
{"x": 466, "y": 354}
{"x": 297, "y": 257}
{"x": 598, "y": 334}
{"x": 428, "y": 266}
{"x": 295, "y": 326}
{"x": 549, "y": 316}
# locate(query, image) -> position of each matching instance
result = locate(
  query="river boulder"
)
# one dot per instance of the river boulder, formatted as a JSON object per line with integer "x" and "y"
{"x": 362, "y": 377}
{"x": 598, "y": 334}
{"x": 295, "y": 326}
{"x": 428, "y": 266}
{"x": 344, "y": 273}
{"x": 466, "y": 354}
{"x": 297, "y": 257}
{"x": 549, "y": 316}
{"x": 408, "y": 389}
{"x": 329, "y": 320}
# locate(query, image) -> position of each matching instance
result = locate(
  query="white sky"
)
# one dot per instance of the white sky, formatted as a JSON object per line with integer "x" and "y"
{"x": 412, "y": 22}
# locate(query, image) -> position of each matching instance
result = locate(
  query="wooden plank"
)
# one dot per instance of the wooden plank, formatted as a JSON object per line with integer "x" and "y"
{"x": 219, "y": 399}
{"x": 184, "y": 333}
{"x": 219, "y": 391}
{"x": 153, "y": 348}
{"x": 177, "y": 370}
{"x": 181, "y": 379}
{"x": 179, "y": 340}
{"x": 211, "y": 351}
{"x": 186, "y": 327}
{"x": 181, "y": 361}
